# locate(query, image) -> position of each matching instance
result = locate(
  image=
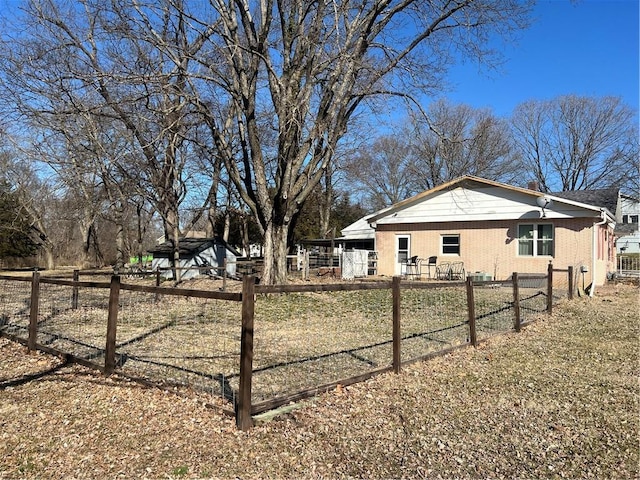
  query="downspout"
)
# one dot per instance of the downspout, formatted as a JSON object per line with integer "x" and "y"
{"x": 594, "y": 248}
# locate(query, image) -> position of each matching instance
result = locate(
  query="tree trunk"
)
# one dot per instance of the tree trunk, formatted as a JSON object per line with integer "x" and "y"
{"x": 140, "y": 231}
{"x": 210, "y": 228}
{"x": 326, "y": 203}
{"x": 172, "y": 232}
{"x": 120, "y": 240}
{"x": 227, "y": 226}
{"x": 85, "y": 233}
{"x": 46, "y": 252}
{"x": 246, "y": 245}
{"x": 275, "y": 254}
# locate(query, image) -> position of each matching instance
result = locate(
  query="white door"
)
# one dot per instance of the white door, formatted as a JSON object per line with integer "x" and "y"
{"x": 403, "y": 253}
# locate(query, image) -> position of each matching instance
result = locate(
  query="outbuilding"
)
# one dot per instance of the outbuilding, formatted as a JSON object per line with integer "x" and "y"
{"x": 196, "y": 252}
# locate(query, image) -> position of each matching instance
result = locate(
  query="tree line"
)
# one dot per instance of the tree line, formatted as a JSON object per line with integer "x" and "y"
{"x": 562, "y": 144}
{"x": 127, "y": 121}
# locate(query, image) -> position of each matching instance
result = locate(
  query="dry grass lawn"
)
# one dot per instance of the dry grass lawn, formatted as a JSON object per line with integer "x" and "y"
{"x": 559, "y": 400}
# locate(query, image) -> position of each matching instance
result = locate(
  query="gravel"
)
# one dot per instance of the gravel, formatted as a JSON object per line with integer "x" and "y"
{"x": 558, "y": 400}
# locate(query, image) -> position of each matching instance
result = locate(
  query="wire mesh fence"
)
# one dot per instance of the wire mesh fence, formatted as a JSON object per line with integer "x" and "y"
{"x": 15, "y": 304}
{"x": 180, "y": 340}
{"x": 432, "y": 319}
{"x": 563, "y": 284}
{"x": 305, "y": 340}
{"x": 533, "y": 297}
{"x": 494, "y": 308}
{"x": 73, "y": 319}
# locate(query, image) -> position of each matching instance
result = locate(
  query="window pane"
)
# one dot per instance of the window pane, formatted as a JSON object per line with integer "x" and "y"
{"x": 545, "y": 247}
{"x": 545, "y": 232}
{"x": 403, "y": 243}
{"x": 525, "y": 247}
{"x": 525, "y": 231}
{"x": 451, "y": 244}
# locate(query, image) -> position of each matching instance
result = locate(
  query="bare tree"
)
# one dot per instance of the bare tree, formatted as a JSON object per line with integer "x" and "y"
{"x": 384, "y": 172}
{"x": 577, "y": 143}
{"x": 455, "y": 140}
{"x": 94, "y": 58}
{"x": 304, "y": 69}
{"x": 278, "y": 83}
{"x": 32, "y": 194}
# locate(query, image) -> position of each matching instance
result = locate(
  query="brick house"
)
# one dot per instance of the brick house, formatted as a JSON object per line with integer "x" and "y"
{"x": 496, "y": 229}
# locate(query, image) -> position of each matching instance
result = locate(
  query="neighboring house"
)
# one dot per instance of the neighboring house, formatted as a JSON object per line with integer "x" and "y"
{"x": 627, "y": 230}
{"x": 497, "y": 229}
{"x": 196, "y": 252}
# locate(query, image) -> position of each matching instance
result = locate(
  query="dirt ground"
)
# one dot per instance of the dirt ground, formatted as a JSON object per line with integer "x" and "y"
{"x": 558, "y": 400}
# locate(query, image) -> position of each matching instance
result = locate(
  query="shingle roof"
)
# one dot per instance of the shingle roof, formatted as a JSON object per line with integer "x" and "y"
{"x": 605, "y": 197}
{"x": 623, "y": 229}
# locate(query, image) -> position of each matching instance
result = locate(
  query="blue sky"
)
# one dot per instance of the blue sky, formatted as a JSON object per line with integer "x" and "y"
{"x": 584, "y": 47}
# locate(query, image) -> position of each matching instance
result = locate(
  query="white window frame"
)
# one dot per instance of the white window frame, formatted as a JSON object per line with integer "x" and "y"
{"x": 535, "y": 239}
{"x": 442, "y": 244}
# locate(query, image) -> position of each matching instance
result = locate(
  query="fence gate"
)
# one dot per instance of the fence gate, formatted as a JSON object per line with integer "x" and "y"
{"x": 355, "y": 263}
{"x": 628, "y": 266}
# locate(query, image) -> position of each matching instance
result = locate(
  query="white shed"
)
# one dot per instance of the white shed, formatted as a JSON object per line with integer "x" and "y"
{"x": 196, "y": 252}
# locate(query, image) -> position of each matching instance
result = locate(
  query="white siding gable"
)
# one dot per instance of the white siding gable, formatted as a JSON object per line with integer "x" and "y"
{"x": 482, "y": 204}
{"x": 359, "y": 230}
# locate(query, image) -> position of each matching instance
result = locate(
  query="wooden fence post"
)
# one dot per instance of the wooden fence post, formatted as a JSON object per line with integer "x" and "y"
{"x": 516, "y": 302}
{"x": 395, "y": 292}
{"x": 75, "y": 291}
{"x": 112, "y": 321}
{"x": 33, "y": 311}
{"x": 550, "y": 288}
{"x": 158, "y": 277}
{"x": 571, "y": 286}
{"x": 471, "y": 308}
{"x": 243, "y": 409}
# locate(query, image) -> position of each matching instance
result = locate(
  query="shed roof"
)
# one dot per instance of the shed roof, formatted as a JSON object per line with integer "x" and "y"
{"x": 189, "y": 246}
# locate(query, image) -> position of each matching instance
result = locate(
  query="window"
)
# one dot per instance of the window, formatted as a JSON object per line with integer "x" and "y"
{"x": 451, "y": 244}
{"x": 535, "y": 240}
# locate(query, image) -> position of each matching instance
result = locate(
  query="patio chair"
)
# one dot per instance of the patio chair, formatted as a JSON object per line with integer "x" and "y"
{"x": 456, "y": 272}
{"x": 412, "y": 267}
{"x": 429, "y": 264}
{"x": 442, "y": 271}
